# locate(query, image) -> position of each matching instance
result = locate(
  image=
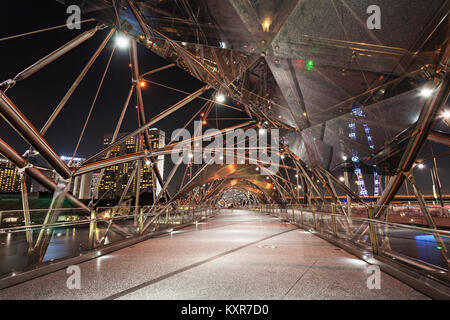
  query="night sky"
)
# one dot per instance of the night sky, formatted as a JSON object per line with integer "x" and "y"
{"x": 38, "y": 95}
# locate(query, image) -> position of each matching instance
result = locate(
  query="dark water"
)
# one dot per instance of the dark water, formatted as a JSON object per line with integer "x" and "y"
{"x": 420, "y": 246}
{"x": 65, "y": 242}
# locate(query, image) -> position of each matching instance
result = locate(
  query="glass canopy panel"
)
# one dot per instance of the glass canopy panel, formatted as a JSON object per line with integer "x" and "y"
{"x": 357, "y": 136}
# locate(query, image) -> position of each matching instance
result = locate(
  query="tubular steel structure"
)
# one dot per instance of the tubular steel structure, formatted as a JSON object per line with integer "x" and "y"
{"x": 271, "y": 62}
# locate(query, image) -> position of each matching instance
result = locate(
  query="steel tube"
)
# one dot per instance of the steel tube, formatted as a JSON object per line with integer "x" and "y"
{"x": 24, "y": 127}
{"x": 34, "y": 173}
{"x": 77, "y": 81}
{"x": 55, "y": 54}
{"x": 157, "y": 70}
{"x": 423, "y": 127}
{"x": 159, "y": 117}
{"x": 439, "y": 137}
{"x": 139, "y": 99}
{"x": 141, "y": 111}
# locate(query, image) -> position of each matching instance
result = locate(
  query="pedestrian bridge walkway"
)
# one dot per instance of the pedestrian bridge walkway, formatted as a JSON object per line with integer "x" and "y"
{"x": 237, "y": 254}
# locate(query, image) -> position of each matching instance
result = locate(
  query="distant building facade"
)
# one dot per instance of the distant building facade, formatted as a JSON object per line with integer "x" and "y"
{"x": 115, "y": 178}
{"x": 75, "y": 185}
{"x": 9, "y": 176}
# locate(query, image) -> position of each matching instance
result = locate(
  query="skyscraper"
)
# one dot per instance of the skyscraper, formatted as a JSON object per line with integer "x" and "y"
{"x": 115, "y": 178}
{"x": 9, "y": 177}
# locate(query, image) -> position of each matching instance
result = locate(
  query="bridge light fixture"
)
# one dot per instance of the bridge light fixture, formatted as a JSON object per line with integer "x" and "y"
{"x": 420, "y": 166}
{"x": 122, "y": 41}
{"x": 426, "y": 92}
{"x": 266, "y": 24}
{"x": 341, "y": 179}
{"x": 142, "y": 84}
{"x": 220, "y": 98}
{"x": 446, "y": 114}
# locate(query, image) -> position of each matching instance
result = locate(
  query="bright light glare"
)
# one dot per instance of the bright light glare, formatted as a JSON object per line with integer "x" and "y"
{"x": 147, "y": 162}
{"x": 446, "y": 114}
{"x": 341, "y": 179}
{"x": 122, "y": 41}
{"x": 426, "y": 92}
{"x": 266, "y": 24}
{"x": 420, "y": 166}
{"x": 220, "y": 98}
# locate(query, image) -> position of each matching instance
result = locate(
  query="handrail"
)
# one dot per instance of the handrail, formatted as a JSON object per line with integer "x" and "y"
{"x": 22, "y": 228}
{"x": 398, "y": 225}
{"x": 377, "y": 228}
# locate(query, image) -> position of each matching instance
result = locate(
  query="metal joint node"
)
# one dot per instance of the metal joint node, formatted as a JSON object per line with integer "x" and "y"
{"x": 5, "y": 85}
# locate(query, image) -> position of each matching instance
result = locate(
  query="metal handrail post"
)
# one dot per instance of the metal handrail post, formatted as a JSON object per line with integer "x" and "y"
{"x": 92, "y": 229}
{"x": 314, "y": 218}
{"x": 301, "y": 215}
{"x": 141, "y": 221}
{"x": 372, "y": 230}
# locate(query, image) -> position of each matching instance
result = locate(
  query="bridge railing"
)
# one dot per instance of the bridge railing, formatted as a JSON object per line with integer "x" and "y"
{"x": 55, "y": 235}
{"x": 423, "y": 248}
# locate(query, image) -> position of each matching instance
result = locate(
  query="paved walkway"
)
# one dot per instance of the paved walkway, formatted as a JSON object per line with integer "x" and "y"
{"x": 236, "y": 255}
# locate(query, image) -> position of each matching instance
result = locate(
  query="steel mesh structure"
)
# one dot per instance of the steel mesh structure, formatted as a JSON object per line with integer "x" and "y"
{"x": 345, "y": 99}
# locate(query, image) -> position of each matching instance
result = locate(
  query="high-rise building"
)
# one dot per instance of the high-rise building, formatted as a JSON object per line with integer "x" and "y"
{"x": 74, "y": 184}
{"x": 115, "y": 178}
{"x": 9, "y": 177}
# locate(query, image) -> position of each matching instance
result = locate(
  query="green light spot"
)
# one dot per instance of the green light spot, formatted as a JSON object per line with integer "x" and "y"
{"x": 439, "y": 247}
{"x": 273, "y": 247}
{"x": 310, "y": 65}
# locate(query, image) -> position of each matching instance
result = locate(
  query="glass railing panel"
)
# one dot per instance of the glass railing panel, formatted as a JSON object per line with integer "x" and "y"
{"x": 24, "y": 247}
{"x": 308, "y": 218}
{"x": 416, "y": 243}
